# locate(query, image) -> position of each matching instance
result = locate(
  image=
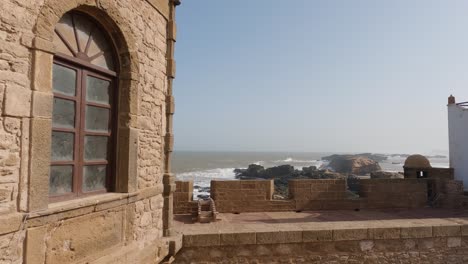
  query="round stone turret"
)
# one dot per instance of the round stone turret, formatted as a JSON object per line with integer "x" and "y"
{"x": 417, "y": 161}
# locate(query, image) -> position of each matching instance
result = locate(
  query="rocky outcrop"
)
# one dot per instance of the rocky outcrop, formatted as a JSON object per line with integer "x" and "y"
{"x": 386, "y": 175}
{"x": 354, "y": 165}
{"x": 371, "y": 156}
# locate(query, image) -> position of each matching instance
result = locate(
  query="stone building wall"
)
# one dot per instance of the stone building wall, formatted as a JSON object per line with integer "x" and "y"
{"x": 127, "y": 226}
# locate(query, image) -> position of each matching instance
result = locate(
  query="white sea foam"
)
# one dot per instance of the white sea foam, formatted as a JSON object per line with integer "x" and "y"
{"x": 440, "y": 165}
{"x": 291, "y": 160}
{"x": 202, "y": 179}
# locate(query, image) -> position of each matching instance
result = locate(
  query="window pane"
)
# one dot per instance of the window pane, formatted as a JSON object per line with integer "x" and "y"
{"x": 60, "y": 180}
{"x": 97, "y": 90}
{"x": 64, "y": 80}
{"x": 83, "y": 28}
{"x": 62, "y": 146}
{"x": 64, "y": 113}
{"x": 95, "y": 148}
{"x": 99, "y": 43}
{"x": 97, "y": 119}
{"x": 65, "y": 27}
{"x": 104, "y": 61}
{"x": 94, "y": 178}
{"x": 60, "y": 46}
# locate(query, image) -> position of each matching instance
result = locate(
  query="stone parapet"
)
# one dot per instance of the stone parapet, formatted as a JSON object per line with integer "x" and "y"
{"x": 183, "y": 198}
{"x": 317, "y": 189}
{"x": 243, "y": 195}
{"x": 389, "y": 241}
{"x": 394, "y": 193}
{"x": 244, "y": 190}
{"x": 237, "y": 196}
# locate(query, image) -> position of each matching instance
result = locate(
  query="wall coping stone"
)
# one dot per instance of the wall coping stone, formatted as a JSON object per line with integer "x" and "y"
{"x": 277, "y": 228}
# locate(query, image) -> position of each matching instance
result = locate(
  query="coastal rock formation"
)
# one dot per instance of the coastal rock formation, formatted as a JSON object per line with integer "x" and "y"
{"x": 386, "y": 175}
{"x": 371, "y": 156}
{"x": 354, "y": 165}
{"x": 253, "y": 170}
{"x": 278, "y": 171}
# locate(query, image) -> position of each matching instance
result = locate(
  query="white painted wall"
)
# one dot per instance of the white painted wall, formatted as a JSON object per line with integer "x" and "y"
{"x": 458, "y": 142}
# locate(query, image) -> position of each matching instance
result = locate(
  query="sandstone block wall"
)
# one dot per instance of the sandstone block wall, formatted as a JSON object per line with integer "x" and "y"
{"x": 183, "y": 198}
{"x": 317, "y": 194}
{"x": 238, "y": 196}
{"x": 124, "y": 227}
{"x": 317, "y": 189}
{"x": 424, "y": 243}
{"x": 394, "y": 193}
{"x": 244, "y": 190}
{"x": 242, "y": 195}
{"x": 448, "y": 193}
{"x": 433, "y": 250}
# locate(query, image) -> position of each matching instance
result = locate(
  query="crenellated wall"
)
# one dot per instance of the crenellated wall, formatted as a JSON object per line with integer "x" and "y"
{"x": 238, "y": 196}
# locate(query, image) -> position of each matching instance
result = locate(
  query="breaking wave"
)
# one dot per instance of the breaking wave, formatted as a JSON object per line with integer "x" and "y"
{"x": 202, "y": 179}
{"x": 291, "y": 160}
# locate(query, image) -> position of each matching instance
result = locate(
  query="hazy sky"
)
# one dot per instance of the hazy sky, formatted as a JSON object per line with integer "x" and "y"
{"x": 310, "y": 75}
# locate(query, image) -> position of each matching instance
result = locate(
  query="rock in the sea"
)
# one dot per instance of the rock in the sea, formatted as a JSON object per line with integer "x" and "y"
{"x": 253, "y": 171}
{"x": 374, "y": 157}
{"x": 354, "y": 165}
{"x": 282, "y": 170}
{"x": 204, "y": 189}
{"x": 386, "y": 175}
{"x": 309, "y": 170}
{"x": 203, "y": 196}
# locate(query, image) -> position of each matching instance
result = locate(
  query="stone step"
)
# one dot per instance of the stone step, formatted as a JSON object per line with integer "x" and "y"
{"x": 206, "y": 214}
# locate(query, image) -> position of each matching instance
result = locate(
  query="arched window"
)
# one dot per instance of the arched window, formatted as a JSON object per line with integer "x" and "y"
{"x": 83, "y": 119}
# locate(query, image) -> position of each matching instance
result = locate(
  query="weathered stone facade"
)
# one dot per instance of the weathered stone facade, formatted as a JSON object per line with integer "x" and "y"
{"x": 131, "y": 224}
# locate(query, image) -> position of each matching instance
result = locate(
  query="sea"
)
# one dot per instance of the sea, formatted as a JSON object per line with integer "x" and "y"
{"x": 203, "y": 166}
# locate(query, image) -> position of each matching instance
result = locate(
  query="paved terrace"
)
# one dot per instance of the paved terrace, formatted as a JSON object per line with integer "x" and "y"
{"x": 313, "y": 226}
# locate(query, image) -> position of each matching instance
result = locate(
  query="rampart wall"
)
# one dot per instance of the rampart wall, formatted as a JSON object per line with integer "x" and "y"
{"x": 237, "y": 196}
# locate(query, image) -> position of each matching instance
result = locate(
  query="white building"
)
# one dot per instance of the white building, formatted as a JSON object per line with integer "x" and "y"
{"x": 458, "y": 139}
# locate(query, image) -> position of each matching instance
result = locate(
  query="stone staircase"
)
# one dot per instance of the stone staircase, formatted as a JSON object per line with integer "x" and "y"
{"x": 206, "y": 211}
